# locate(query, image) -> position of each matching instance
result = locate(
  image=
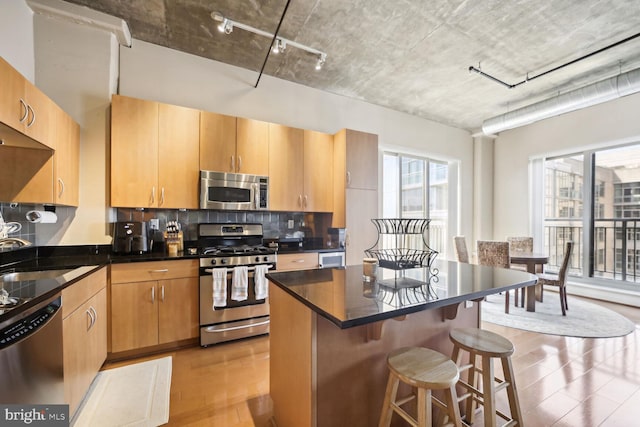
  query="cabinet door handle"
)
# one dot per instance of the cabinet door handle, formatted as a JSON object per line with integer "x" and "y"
{"x": 300, "y": 200}
{"x": 239, "y": 163}
{"x": 95, "y": 315}
{"x": 164, "y": 270}
{"x": 61, "y": 185}
{"x": 348, "y": 178}
{"x": 162, "y": 294}
{"x": 33, "y": 116}
{"x": 26, "y": 110}
{"x": 306, "y": 200}
{"x": 92, "y": 319}
{"x": 153, "y": 295}
{"x": 233, "y": 164}
{"x": 153, "y": 195}
{"x": 161, "y": 197}
{"x": 299, "y": 261}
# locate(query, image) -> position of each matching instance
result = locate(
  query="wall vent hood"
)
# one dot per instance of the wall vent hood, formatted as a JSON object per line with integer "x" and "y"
{"x": 596, "y": 93}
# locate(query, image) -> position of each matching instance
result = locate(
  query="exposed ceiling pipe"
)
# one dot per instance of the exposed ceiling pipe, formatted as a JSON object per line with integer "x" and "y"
{"x": 596, "y": 93}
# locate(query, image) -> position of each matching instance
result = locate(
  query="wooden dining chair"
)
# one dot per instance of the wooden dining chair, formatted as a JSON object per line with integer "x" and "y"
{"x": 560, "y": 279}
{"x": 460, "y": 245}
{"x": 520, "y": 244}
{"x": 495, "y": 254}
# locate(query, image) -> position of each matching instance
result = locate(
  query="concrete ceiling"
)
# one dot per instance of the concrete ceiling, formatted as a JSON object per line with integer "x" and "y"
{"x": 407, "y": 55}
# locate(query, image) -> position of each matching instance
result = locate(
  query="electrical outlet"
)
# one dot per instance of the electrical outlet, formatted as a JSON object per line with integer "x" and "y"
{"x": 290, "y": 223}
{"x": 154, "y": 224}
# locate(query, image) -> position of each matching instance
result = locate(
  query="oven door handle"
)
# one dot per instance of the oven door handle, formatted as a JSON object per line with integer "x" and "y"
{"x": 212, "y": 329}
{"x": 210, "y": 270}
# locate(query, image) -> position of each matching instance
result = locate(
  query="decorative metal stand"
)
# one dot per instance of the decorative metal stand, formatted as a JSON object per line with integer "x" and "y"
{"x": 402, "y": 289}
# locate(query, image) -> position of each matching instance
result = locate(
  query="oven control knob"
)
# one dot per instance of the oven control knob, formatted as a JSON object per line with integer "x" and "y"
{"x": 213, "y": 262}
{"x": 223, "y": 261}
{"x": 257, "y": 259}
{"x": 266, "y": 259}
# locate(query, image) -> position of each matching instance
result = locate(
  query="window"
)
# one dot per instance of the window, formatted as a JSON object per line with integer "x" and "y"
{"x": 608, "y": 180}
{"x": 417, "y": 187}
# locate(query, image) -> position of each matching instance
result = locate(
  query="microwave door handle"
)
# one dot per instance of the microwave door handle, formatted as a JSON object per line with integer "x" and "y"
{"x": 256, "y": 195}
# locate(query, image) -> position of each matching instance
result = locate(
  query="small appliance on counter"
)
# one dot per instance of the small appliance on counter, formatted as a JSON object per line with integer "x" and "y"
{"x": 130, "y": 237}
{"x": 336, "y": 237}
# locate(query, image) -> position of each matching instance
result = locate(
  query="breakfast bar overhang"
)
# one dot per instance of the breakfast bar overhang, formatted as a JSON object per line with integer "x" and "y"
{"x": 331, "y": 332}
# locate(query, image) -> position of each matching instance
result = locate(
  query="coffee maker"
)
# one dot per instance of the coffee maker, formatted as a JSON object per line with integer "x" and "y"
{"x": 130, "y": 237}
{"x": 336, "y": 237}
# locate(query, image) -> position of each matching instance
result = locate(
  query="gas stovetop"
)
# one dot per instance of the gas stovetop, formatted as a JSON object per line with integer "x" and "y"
{"x": 226, "y": 244}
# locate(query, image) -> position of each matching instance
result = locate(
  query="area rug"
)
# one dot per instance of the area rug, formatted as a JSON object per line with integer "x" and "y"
{"x": 584, "y": 319}
{"x": 132, "y": 395}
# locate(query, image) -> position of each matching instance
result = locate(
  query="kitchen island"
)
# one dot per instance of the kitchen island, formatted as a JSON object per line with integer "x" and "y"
{"x": 331, "y": 331}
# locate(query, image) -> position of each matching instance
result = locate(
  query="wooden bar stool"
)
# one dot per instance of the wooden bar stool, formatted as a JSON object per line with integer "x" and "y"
{"x": 487, "y": 345}
{"x": 425, "y": 370}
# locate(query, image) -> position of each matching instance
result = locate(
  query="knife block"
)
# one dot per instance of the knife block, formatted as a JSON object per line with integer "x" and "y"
{"x": 174, "y": 238}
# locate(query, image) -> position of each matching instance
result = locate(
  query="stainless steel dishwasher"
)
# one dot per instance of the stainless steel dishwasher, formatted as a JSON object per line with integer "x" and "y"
{"x": 31, "y": 365}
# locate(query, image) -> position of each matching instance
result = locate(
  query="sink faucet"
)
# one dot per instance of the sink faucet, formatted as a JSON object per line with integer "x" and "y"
{"x": 13, "y": 242}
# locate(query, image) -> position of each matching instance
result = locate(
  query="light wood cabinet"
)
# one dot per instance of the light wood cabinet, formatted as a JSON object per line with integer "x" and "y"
{"x": 355, "y": 194}
{"x": 286, "y": 168}
{"x": 217, "y": 142}
{"x": 299, "y": 261}
{"x": 318, "y": 172}
{"x": 154, "y": 154}
{"x": 66, "y": 160}
{"x": 147, "y": 312}
{"x": 26, "y": 175}
{"x": 235, "y": 145}
{"x": 84, "y": 327}
{"x": 24, "y": 107}
{"x": 300, "y": 170}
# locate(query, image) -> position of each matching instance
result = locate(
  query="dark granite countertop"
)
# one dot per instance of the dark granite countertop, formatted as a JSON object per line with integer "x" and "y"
{"x": 341, "y": 295}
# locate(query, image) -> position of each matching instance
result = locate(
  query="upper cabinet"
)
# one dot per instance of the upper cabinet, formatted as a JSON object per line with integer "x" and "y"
{"x": 300, "y": 170}
{"x": 24, "y": 108}
{"x": 154, "y": 154}
{"x": 286, "y": 169}
{"x": 66, "y": 160}
{"x": 318, "y": 172}
{"x": 31, "y": 127}
{"x": 235, "y": 145}
{"x": 355, "y": 168}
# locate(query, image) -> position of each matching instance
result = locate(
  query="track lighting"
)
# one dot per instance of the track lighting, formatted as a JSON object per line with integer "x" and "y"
{"x": 225, "y": 27}
{"x": 320, "y": 63}
{"x": 279, "y": 45}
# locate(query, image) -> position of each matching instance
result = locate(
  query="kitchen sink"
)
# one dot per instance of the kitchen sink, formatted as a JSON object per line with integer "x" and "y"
{"x": 22, "y": 276}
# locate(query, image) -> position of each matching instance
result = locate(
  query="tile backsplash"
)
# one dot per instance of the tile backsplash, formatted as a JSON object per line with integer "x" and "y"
{"x": 275, "y": 224}
{"x": 14, "y": 212}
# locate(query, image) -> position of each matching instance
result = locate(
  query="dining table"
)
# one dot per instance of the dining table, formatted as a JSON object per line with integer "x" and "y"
{"x": 530, "y": 260}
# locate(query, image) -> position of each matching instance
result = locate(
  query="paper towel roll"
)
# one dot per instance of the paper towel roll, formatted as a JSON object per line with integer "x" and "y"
{"x": 44, "y": 217}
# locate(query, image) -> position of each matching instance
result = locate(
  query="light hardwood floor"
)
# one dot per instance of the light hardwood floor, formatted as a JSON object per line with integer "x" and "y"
{"x": 561, "y": 381}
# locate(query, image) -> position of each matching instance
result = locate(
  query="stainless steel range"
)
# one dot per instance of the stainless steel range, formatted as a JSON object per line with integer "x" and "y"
{"x": 233, "y": 262}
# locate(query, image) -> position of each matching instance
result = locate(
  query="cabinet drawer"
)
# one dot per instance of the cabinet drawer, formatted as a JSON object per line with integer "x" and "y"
{"x": 154, "y": 270}
{"x": 76, "y": 294}
{"x": 302, "y": 261}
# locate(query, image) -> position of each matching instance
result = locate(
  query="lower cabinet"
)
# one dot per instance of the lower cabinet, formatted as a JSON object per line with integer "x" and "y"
{"x": 297, "y": 261}
{"x": 84, "y": 335}
{"x": 145, "y": 312}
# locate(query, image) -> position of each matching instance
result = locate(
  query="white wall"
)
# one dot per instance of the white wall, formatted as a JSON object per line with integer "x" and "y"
{"x": 16, "y": 36}
{"x": 153, "y": 72}
{"x": 74, "y": 68}
{"x": 605, "y": 124}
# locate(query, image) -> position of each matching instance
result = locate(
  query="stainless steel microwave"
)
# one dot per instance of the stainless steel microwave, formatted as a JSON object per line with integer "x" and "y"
{"x": 233, "y": 191}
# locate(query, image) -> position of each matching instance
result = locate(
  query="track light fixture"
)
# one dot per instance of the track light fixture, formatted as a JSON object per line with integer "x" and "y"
{"x": 322, "y": 58}
{"x": 280, "y": 44}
